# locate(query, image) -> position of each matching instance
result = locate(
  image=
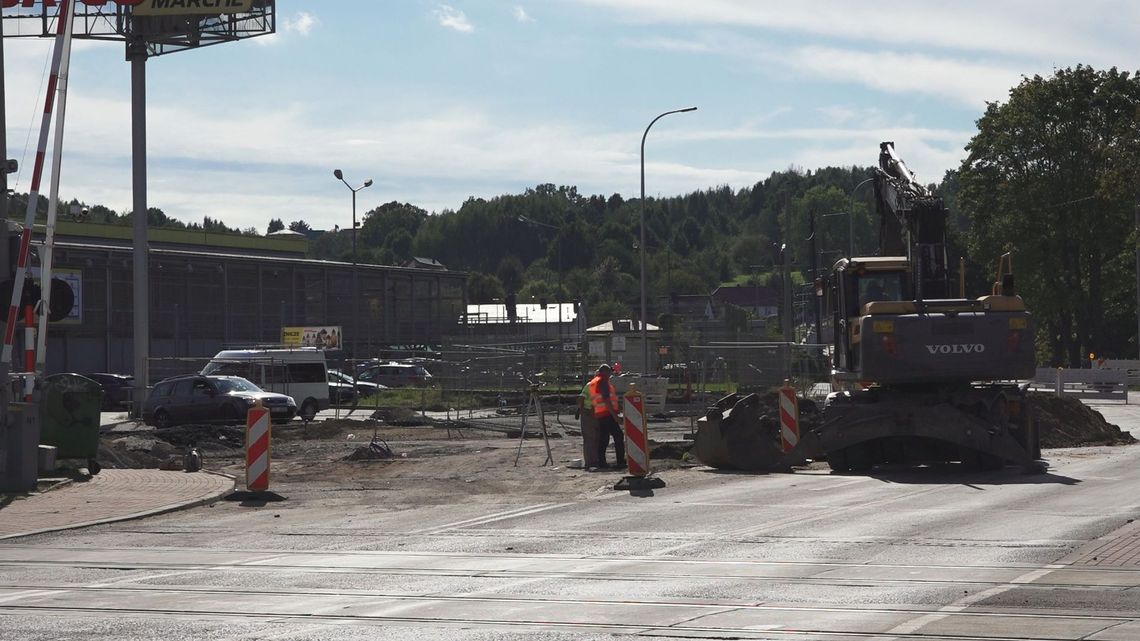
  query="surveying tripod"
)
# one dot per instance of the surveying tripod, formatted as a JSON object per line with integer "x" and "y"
{"x": 534, "y": 399}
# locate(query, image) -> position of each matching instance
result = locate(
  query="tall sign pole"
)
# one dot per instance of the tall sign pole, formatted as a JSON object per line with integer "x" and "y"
{"x": 136, "y": 55}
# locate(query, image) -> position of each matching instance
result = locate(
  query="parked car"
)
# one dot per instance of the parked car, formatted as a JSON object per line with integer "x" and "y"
{"x": 211, "y": 399}
{"x": 296, "y": 371}
{"x": 340, "y": 392}
{"x": 363, "y": 388}
{"x": 396, "y": 375}
{"x": 116, "y": 389}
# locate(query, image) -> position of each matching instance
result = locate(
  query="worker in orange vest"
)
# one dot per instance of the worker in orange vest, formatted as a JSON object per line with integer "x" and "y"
{"x": 604, "y": 401}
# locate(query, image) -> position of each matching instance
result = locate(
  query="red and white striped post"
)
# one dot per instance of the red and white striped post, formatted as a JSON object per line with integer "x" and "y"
{"x": 29, "y": 351}
{"x": 257, "y": 437}
{"x": 63, "y": 38}
{"x": 636, "y": 449}
{"x": 789, "y": 417}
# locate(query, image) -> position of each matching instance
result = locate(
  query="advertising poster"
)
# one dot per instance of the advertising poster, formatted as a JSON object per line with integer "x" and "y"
{"x": 322, "y": 336}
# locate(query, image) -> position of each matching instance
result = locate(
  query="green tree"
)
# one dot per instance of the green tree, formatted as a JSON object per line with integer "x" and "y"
{"x": 275, "y": 225}
{"x": 400, "y": 242}
{"x": 510, "y": 273}
{"x": 299, "y": 226}
{"x": 1047, "y": 178}
{"x": 484, "y": 288}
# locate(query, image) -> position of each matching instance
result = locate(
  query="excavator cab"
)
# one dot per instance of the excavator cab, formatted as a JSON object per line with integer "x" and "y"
{"x": 860, "y": 286}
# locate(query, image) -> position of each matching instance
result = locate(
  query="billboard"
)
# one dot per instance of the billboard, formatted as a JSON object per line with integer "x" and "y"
{"x": 322, "y": 336}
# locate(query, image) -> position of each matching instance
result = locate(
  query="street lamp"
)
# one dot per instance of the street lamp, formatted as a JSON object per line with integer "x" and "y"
{"x": 355, "y": 283}
{"x": 641, "y": 217}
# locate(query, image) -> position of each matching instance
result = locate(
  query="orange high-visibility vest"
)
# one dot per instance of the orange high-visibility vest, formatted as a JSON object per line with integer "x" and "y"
{"x": 599, "y": 401}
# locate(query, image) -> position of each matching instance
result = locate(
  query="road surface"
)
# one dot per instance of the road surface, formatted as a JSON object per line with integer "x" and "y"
{"x": 929, "y": 554}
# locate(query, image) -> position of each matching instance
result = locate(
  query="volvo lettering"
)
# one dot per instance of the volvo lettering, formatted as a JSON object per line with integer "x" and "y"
{"x": 976, "y": 348}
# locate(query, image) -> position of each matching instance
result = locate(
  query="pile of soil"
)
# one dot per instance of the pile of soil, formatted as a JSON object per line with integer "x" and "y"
{"x": 1061, "y": 421}
{"x": 164, "y": 448}
{"x": 1067, "y": 422}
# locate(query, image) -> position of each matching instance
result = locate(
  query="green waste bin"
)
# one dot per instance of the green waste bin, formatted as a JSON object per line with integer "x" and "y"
{"x": 69, "y": 417}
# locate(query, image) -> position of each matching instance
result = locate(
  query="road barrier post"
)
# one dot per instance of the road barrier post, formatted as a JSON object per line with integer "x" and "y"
{"x": 257, "y": 437}
{"x": 636, "y": 449}
{"x": 636, "y": 445}
{"x": 789, "y": 417}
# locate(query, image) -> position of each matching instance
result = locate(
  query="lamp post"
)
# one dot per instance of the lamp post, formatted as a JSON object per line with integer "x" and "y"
{"x": 355, "y": 283}
{"x": 641, "y": 217}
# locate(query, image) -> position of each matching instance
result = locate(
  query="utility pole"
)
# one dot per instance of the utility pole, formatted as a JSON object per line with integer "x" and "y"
{"x": 818, "y": 302}
{"x": 786, "y": 280}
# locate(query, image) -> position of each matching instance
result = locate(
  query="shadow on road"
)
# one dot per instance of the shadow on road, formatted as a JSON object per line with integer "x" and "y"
{"x": 255, "y": 499}
{"x": 940, "y": 473}
{"x": 959, "y": 474}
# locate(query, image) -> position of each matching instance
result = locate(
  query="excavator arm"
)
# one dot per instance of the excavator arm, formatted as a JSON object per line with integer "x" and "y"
{"x": 912, "y": 223}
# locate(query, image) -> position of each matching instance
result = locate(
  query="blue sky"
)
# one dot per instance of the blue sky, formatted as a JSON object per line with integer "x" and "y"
{"x": 440, "y": 102}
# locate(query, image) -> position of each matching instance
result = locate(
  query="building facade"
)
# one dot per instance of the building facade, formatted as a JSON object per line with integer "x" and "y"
{"x": 211, "y": 291}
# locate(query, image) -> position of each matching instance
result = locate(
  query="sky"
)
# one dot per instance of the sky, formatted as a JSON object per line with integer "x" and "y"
{"x": 441, "y": 102}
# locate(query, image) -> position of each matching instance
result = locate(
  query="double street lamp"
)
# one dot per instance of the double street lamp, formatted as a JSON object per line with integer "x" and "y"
{"x": 355, "y": 283}
{"x": 641, "y": 216}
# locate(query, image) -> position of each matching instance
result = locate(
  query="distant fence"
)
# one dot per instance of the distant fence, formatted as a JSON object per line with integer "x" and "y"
{"x": 654, "y": 390}
{"x": 1108, "y": 384}
{"x": 1130, "y": 367}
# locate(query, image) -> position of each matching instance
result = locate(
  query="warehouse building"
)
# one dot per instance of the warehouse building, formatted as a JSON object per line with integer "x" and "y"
{"x": 209, "y": 291}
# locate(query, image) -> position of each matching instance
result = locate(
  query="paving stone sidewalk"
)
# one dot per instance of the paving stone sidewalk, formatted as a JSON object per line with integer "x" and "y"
{"x": 111, "y": 495}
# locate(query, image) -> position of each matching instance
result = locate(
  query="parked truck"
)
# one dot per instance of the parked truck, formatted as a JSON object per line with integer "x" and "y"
{"x": 920, "y": 372}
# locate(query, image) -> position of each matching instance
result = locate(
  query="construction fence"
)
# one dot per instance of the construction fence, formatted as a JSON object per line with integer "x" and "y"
{"x": 469, "y": 377}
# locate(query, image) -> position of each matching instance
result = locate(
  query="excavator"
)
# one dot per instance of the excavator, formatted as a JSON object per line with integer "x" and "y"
{"x": 920, "y": 372}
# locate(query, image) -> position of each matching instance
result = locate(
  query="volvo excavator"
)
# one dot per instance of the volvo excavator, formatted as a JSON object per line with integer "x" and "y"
{"x": 920, "y": 372}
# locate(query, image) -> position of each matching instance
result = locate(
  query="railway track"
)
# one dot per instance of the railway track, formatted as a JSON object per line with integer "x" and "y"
{"x": 569, "y": 594}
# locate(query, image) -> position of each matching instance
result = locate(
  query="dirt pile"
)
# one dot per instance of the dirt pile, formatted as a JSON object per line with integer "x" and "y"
{"x": 1062, "y": 421}
{"x": 1067, "y": 422}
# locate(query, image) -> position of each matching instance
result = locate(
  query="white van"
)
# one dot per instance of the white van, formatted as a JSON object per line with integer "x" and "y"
{"x": 299, "y": 372}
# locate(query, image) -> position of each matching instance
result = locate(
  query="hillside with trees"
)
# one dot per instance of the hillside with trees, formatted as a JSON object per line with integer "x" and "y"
{"x": 1052, "y": 176}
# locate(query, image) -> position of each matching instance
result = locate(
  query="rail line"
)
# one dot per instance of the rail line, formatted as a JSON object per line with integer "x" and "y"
{"x": 538, "y": 615}
{"x": 815, "y": 573}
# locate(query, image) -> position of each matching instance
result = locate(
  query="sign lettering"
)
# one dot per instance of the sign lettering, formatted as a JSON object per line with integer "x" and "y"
{"x": 182, "y": 7}
{"x": 964, "y": 348}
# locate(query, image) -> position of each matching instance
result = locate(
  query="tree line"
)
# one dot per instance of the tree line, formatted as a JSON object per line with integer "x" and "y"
{"x": 1052, "y": 177}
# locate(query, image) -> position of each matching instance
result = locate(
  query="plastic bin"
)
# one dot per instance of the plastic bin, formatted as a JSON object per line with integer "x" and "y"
{"x": 69, "y": 417}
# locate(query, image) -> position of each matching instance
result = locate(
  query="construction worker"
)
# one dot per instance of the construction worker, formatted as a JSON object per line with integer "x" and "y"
{"x": 604, "y": 402}
{"x": 589, "y": 426}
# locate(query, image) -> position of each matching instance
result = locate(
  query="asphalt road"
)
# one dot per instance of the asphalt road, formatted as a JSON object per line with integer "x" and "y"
{"x": 902, "y": 554}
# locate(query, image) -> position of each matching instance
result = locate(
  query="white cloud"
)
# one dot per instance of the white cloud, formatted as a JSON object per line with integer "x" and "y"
{"x": 677, "y": 45}
{"x": 301, "y": 23}
{"x": 1013, "y": 27}
{"x": 521, "y": 15}
{"x": 451, "y": 18}
{"x": 970, "y": 83}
